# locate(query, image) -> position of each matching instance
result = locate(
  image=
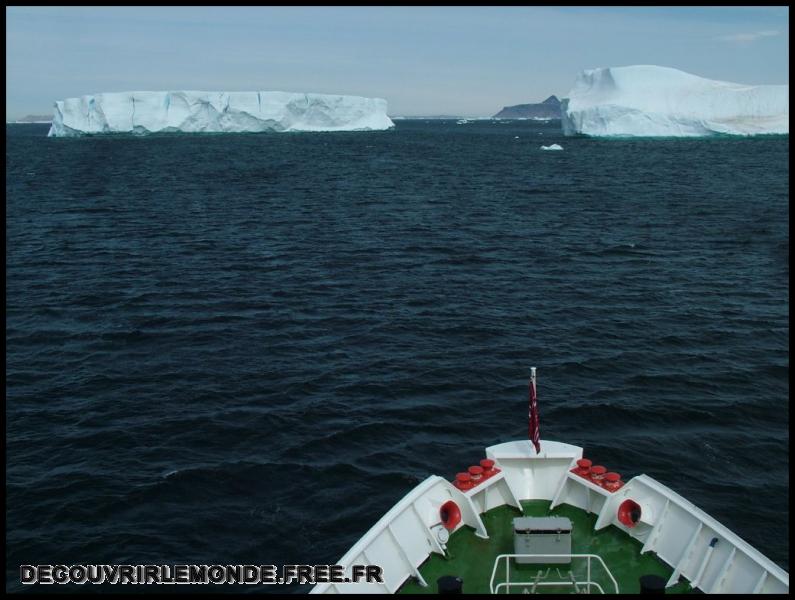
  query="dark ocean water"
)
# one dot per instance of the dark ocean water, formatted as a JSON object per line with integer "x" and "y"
{"x": 246, "y": 348}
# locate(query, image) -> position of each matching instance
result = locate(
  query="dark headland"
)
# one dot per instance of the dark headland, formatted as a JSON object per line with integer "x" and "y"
{"x": 548, "y": 109}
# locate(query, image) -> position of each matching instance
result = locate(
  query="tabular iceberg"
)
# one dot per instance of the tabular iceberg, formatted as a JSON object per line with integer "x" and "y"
{"x": 652, "y": 101}
{"x": 215, "y": 112}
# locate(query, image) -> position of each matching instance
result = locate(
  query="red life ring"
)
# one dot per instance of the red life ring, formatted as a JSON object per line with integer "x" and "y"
{"x": 450, "y": 515}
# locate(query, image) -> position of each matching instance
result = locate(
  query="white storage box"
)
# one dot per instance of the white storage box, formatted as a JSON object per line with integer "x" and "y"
{"x": 542, "y": 535}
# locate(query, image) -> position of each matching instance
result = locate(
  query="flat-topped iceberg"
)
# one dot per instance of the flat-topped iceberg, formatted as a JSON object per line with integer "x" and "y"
{"x": 654, "y": 101}
{"x": 216, "y": 112}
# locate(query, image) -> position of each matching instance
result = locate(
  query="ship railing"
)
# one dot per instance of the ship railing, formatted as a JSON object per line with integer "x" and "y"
{"x": 540, "y": 580}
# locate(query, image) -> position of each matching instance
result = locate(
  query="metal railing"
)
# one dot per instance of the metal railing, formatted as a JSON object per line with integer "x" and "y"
{"x": 540, "y": 580}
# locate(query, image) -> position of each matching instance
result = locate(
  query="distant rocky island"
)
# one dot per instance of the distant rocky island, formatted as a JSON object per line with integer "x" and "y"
{"x": 428, "y": 117}
{"x": 548, "y": 109}
{"x": 35, "y": 119}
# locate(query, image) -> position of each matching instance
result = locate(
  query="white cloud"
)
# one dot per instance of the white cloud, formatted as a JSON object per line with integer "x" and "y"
{"x": 749, "y": 36}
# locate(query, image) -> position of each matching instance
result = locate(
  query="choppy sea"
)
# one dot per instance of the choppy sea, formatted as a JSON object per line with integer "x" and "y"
{"x": 245, "y": 348}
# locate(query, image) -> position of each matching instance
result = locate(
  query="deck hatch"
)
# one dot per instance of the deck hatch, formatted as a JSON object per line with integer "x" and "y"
{"x": 544, "y": 531}
{"x": 542, "y": 535}
{"x": 541, "y": 525}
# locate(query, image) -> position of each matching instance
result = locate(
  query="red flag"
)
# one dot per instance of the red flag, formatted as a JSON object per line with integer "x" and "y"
{"x": 535, "y": 436}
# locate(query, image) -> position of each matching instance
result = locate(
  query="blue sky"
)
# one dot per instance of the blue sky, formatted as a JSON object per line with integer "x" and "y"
{"x": 423, "y": 60}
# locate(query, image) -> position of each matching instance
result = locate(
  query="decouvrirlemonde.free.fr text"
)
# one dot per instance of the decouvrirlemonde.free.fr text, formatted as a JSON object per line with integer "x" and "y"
{"x": 198, "y": 574}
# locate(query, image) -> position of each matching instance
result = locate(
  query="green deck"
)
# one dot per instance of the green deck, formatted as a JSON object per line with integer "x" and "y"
{"x": 472, "y": 558}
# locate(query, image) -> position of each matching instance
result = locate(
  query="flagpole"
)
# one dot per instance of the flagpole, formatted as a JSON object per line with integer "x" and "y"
{"x": 535, "y": 387}
{"x": 534, "y": 436}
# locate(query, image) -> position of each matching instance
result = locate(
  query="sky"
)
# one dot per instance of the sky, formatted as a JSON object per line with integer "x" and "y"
{"x": 467, "y": 61}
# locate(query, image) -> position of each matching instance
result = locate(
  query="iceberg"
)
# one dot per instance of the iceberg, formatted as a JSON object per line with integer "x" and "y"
{"x": 216, "y": 112}
{"x": 552, "y": 147}
{"x": 651, "y": 101}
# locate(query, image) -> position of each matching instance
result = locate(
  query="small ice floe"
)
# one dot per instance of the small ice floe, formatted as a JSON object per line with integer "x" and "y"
{"x": 552, "y": 147}
{"x": 516, "y": 137}
{"x": 462, "y": 121}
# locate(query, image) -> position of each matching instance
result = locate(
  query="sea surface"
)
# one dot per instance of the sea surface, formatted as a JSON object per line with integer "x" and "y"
{"x": 246, "y": 348}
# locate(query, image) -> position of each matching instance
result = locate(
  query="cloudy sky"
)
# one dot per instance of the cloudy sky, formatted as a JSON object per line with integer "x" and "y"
{"x": 423, "y": 60}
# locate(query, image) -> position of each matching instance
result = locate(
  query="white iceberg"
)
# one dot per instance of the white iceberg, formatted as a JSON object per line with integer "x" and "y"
{"x": 655, "y": 101}
{"x": 216, "y": 112}
{"x": 552, "y": 147}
